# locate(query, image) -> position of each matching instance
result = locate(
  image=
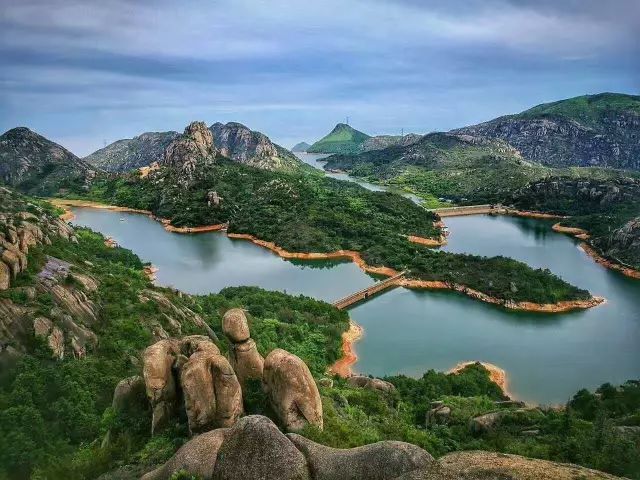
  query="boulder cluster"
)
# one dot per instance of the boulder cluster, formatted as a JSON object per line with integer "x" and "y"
{"x": 255, "y": 449}
{"x": 192, "y": 374}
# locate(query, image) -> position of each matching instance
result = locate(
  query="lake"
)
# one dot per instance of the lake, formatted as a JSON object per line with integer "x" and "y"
{"x": 548, "y": 357}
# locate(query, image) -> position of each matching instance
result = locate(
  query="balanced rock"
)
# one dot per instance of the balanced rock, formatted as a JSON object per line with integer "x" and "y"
{"x": 292, "y": 392}
{"x": 235, "y": 325}
{"x": 243, "y": 355}
{"x": 377, "y": 461}
{"x": 362, "y": 381}
{"x": 254, "y": 449}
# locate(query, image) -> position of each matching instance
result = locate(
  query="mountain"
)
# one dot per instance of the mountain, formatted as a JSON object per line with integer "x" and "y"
{"x": 31, "y": 163}
{"x": 342, "y": 139}
{"x": 238, "y": 142}
{"x": 590, "y": 130}
{"x": 131, "y": 153}
{"x": 300, "y": 147}
{"x": 458, "y": 167}
{"x": 233, "y": 140}
{"x": 383, "y": 141}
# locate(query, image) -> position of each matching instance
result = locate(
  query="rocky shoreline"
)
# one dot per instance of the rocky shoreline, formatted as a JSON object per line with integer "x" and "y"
{"x": 593, "y": 253}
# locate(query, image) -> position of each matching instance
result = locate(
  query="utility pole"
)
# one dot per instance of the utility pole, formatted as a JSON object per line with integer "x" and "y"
{"x": 402, "y": 132}
{"x": 347, "y": 119}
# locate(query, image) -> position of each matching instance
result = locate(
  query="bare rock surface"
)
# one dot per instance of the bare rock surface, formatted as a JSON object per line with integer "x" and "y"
{"x": 197, "y": 457}
{"x": 292, "y": 391}
{"x": 370, "y": 383}
{"x": 377, "y": 461}
{"x": 254, "y": 449}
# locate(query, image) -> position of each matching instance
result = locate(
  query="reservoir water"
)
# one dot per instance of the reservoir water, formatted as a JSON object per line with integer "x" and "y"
{"x": 548, "y": 357}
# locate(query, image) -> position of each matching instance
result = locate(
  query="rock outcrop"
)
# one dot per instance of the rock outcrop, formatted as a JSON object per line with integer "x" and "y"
{"x": 249, "y": 147}
{"x": 254, "y": 449}
{"x": 192, "y": 149}
{"x": 66, "y": 326}
{"x": 193, "y": 372}
{"x": 243, "y": 354}
{"x": 369, "y": 383}
{"x": 131, "y": 153}
{"x": 592, "y": 130}
{"x": 31, "y": 163}
{"x": 292, "y": 392}
{"x": 438, "y": 414}
{"x": 377, "y": 461}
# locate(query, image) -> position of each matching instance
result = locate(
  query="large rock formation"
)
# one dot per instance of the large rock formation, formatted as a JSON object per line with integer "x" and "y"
{"x": 380, "y": 142}
{"x": 254, "y": 449}
{"x": 369, "y": 383}
{"x": 592, "y": 130}
{"x": 292, "y": 392}
{"x": 67, "y": 325}
{"x": 377, "y": 461}
{"x": 192, "y": 149}
{"x": 247, "y": 146}
{"x": 209, "y": 389}
{"x": 130, "y": 153}
{"x": 31, "y": 163}
{"x": 243, "y": 354}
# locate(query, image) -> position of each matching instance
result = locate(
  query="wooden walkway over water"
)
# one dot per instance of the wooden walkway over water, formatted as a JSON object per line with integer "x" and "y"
{"x": 366, "y": 293}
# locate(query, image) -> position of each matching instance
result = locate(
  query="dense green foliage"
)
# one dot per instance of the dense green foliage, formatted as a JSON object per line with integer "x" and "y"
{"x": 599, "y": 206}
{"x": 52, "y": 412}
{"x": 342, "y": 139}
{"x": 586, "y": 109}
{"x": 447, "y": 166}
{"x": 303, "y": 213}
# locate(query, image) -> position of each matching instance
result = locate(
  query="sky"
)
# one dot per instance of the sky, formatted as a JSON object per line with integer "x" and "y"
{"x": 88, "y": 72}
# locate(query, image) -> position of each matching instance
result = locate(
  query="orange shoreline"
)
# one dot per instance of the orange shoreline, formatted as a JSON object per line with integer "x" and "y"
{"x": 69, "y": 215}
{"x": 591, "y": 251}
{"x": 496, "y": 374}
{"x": 342, "y": 366}
{"x": 563, "y": 306}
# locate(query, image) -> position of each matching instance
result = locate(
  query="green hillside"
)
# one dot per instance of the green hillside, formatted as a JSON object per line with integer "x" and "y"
{"x": 586, "y": 109}
{"x": 342, "y": 139}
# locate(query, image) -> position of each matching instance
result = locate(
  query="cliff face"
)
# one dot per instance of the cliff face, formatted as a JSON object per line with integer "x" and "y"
{"x": 249, "y": 147}
{"x": 31, "y": 163}
{"x": 190, "y": 150}
{"x": 577, "y": 196}
{"x": 131, "y": 153}
{"x": 623, "y": 244}
{"x": 597, "y": 130}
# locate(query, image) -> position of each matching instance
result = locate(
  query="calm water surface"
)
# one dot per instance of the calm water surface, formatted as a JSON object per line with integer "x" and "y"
{"x": 547, "y": 357}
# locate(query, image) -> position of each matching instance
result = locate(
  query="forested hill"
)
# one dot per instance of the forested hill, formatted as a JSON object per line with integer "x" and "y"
{"x": 590, "y": 130}
{"x": 342, "y": 139}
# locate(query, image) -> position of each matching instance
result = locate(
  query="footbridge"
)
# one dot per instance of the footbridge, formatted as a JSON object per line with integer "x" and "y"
{"x": 468, "y": 210}
{"x": 366, "y": 293}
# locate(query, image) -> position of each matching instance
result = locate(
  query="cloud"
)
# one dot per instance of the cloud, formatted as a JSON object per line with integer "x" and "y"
{"x": 89, "y": 71}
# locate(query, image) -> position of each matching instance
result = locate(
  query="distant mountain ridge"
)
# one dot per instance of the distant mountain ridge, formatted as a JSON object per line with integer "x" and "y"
{"x": 130, "y": 153}
{"x": 232, "y": 139}
{"x": 300, "y": 147}
{"x": 31, "y": 163}
{"x": 590, "y": 130}
{"x": 342, "y": 139}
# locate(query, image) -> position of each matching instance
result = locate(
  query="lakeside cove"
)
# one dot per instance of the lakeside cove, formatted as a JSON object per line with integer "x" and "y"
{"x": 422, "y": 329}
